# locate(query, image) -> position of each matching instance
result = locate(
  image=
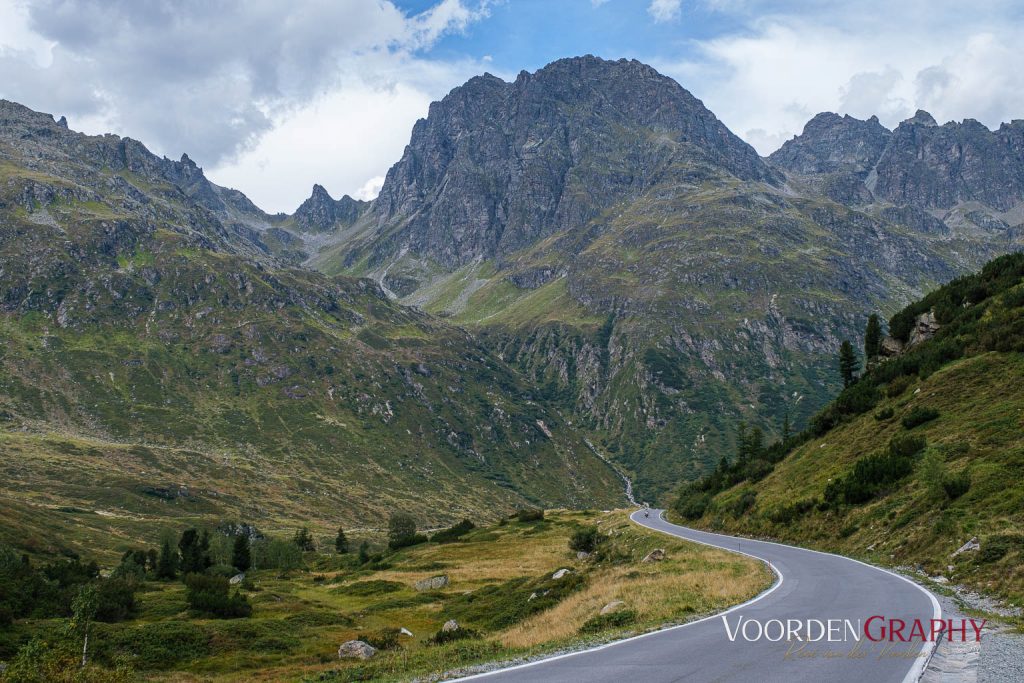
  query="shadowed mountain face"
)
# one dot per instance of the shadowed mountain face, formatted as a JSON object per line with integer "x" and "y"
{"x": 153, "y": 343}
{"x": 596, "y": 225}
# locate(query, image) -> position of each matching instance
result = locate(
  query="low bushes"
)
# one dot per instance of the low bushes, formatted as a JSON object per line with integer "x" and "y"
{"x": 586, "y": 539}
{"x": 619, "y": 619}
{"x": 210, "y": 595}
{"x": 453, "y": 533}
{"x": 919, "y": 416}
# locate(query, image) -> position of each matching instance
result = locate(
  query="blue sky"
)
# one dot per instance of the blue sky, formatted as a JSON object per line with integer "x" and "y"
{"x": 527, "y": 34}
{"x": 271, "y": 97}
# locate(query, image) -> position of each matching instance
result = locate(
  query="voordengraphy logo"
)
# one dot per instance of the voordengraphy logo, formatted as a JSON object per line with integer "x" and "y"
{"x": 875, "y": 629}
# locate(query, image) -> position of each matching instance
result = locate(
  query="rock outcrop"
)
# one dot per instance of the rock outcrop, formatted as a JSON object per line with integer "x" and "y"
{"x": 321, "y": 212}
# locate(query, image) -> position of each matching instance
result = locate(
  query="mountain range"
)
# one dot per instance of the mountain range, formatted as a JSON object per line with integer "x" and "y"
{"x": 606, "y": 234}
{"x": 582, "y": 263}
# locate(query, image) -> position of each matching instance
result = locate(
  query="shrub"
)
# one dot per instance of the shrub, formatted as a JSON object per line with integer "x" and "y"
{"x": 957, "y": 485}
{"x": 884, "y": 414}
{"x": 442, "y": 636}
{"x": 158, "y": 646}
{"x": 210, "y": 595}
{"x": 275, "y": 553}
{"x": 994, "y": 549}
{"x": 619, "y": 619}
{"x": 692, "y": 505}
{"x": 906, "y": 445}
{"x": 898, "y": 385}
{"x": 919, "y": 416}
{"x": 743, "y": 504}
{"x": 530, "y": 515}
{"x": 453, "y": 533}
{"x": 402, "y": 532}
{"x": 586, "y": 539}
{"x": 382, "y": 639}
{"x": 115, "y": 599}
{"x": 499, "y": 606}
{"x": 873, "y": 473}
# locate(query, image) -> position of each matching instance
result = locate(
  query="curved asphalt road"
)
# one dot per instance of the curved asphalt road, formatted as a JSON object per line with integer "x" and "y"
{"x": 809, "y": 584}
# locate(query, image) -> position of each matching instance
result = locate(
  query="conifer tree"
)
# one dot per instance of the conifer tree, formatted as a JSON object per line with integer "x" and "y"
{"x": 873, "y": 337}
{"x": 848, "y": 364}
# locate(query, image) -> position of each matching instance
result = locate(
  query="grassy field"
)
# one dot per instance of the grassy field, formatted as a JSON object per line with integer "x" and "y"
{"x": 299, "y": 618}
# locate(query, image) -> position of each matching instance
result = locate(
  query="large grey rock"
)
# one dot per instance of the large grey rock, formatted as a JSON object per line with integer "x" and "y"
{"x": 432, "y": 584}
{"x": 560, "y": 573}
{"x": 969, "y": 546}
{"x": 656, "y": 555}
{"x": 450, "y": 625}
{"x": 356, "y": 649}
{"x": 925, "y": 327}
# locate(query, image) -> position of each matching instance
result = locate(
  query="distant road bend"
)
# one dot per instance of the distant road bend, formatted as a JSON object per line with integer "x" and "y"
{"x": 809, "y": 585}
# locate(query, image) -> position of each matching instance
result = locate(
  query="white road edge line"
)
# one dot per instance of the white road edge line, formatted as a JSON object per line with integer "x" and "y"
{"x": 920, "y": 664}
{"x": 615, "y": 643}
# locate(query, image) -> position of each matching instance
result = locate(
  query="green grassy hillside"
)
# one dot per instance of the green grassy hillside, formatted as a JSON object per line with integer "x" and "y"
{"x": 156, "y": 362}
{"x": 923, "y": 453}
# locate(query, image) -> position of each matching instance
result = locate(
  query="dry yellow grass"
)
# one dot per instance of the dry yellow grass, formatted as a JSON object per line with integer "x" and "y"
{"x": 692, "y": 580}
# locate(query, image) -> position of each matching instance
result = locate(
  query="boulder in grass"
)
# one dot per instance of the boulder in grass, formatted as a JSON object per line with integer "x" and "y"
{"x": 450, "y": 625}
{"x": 560, "y": 573}
{"x": 656, "y": 555}
{"x": 432, "y": 584}
{"x": 356, "y": 649}
{"x": 613, "y": 606}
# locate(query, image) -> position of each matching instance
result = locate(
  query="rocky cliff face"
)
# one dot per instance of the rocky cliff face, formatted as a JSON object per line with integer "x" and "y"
{"x": 496, "y": 166}
{"x": 831, "y": 143}
{"x": 938, "y": 167}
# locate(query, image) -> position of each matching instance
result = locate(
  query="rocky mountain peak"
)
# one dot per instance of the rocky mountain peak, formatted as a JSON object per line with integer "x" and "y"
{"x": 321, "y": 212}
{"x": 497, "y": 165}
{"x": 921, "y": 118}
{"x": 831, "y": 143}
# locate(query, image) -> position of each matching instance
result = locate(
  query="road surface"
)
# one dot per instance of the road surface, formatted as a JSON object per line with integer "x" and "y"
{"x": 808, "y": 585}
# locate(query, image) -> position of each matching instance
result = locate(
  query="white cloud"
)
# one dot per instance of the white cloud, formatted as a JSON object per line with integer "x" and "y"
{"x": 370, "y": 189}
{"x": 214, "y": 79}
{"x": 665, "y": 10}
{"x": 766, "y": 81}
{"x": 342, "y": 138}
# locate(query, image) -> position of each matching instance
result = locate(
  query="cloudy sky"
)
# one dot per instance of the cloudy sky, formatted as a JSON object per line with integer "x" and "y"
{"x": 271, "y": 96}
